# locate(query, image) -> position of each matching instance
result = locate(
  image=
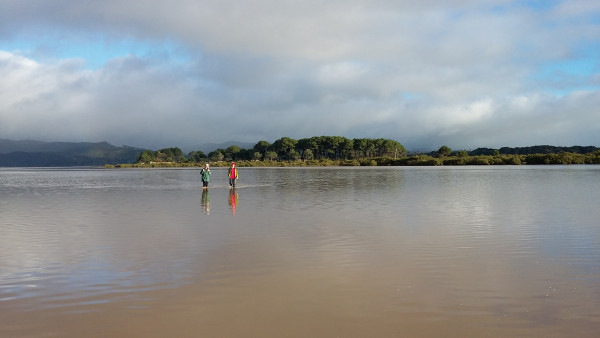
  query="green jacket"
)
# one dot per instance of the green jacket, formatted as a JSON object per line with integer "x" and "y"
{"x": 205, "y": 173}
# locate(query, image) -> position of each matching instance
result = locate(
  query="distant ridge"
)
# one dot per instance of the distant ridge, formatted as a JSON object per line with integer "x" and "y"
{"x": 31, "y": 153}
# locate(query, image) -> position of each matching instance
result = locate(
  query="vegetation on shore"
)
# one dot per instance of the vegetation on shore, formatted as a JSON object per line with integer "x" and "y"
{"x": 415, "y": 160}
{"x": 340, "y": 151}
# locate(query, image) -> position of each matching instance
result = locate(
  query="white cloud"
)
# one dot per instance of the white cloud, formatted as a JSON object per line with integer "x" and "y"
{"x": 425, "y": 73}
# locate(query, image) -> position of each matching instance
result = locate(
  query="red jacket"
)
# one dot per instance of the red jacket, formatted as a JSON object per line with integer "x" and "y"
{"x": 232, "y": 173}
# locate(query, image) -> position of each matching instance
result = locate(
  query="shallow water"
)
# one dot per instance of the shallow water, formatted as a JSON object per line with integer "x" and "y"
{"x": 296, "y": 252}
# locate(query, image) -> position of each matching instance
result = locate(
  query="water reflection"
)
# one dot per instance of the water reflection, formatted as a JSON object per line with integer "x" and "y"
{"x": 205, "y": 201}
{"x": 493, "y": 252}
{"x": 233, "y": 199}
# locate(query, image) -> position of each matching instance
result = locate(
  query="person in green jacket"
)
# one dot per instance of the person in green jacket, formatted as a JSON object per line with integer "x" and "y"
{"x": 205, "y": 174}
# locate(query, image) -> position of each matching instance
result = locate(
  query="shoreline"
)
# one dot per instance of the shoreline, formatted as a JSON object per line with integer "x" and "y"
{"x": 416, "y": 160}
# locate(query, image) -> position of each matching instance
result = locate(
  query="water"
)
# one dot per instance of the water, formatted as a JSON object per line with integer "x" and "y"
{"x": 297, "y": 252}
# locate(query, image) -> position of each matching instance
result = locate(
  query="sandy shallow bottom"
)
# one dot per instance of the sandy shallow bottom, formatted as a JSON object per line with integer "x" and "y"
{"x": 299, "y": 303}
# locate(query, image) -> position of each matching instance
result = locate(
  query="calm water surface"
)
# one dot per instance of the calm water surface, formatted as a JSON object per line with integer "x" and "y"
{"x": 301, "y": 252}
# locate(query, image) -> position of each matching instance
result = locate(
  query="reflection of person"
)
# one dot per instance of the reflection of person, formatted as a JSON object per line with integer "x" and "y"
{"x": 233, "y": 199}
{"x": 232, "y": 174}
{"x": 206, "y": 201}
{"x": 205, "y": 174}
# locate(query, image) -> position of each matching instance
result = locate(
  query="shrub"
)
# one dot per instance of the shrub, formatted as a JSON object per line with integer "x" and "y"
{"x": 454, "y": 161}
{"x": 350, "y": 163}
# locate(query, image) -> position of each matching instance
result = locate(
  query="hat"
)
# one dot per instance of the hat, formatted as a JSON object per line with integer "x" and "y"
{"x": 232, "y": 163}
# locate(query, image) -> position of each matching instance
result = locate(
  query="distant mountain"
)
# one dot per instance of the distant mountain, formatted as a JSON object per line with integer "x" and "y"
{"x": 29, "y": 153}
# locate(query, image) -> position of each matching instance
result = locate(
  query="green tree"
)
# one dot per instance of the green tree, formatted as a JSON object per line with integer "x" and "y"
{"x": 390, "y": 148}
{"x": 307, "y": 155}
{"x": 283, "y": 147}
{"x": 216, "y": 156}
{"x": 146, "y": 156}
{"x": 308, "y": 144}
{"x": 444, "y": 151}
{"x": 262, "y": 147}
{"x": 196, "y": 156}
{"x": 360, "y": 147}
{"x": 232, "y": 152}
{"x": 370, "y": 148}
{"x": 271, "y": 155}
{"x": 294, "y": 155}
{"x": 161, "y": 157}
{"x": 170, "y": 155}
{"x": 331, "y": 144}
{"x": 345, "y": 148}
{"x": 178, "y": 155}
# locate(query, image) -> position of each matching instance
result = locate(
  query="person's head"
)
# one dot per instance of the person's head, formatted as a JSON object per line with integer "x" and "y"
{"x": 206, "y": 166}
{"x": 233, "y": 164}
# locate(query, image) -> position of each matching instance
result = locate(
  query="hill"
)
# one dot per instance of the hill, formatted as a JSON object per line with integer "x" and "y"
{"x": 30, "y": 153}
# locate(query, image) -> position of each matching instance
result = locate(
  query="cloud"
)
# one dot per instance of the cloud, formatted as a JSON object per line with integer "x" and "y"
{"x": 180, "y": 73}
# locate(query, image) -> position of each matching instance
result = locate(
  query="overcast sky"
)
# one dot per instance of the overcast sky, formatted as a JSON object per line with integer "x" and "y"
{"x": 179, "y": 73}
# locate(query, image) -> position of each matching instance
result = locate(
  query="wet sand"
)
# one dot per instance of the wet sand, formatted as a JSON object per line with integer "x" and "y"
{"x": 309, "y": 302}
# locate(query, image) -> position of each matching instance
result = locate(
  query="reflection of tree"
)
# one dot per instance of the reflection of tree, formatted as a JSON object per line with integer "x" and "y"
{"x": 233, "y": 200}
{"x": 205, "y": 201}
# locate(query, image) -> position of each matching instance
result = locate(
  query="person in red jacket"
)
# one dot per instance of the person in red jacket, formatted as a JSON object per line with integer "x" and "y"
{"x": 233, "y": 175}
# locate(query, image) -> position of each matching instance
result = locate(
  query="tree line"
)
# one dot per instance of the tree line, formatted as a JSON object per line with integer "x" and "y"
{"x": 337, "y": 150}
{"x": 541, "y": 149}
{"x": 461, "y": 158}
{"x": 318, "y": 148}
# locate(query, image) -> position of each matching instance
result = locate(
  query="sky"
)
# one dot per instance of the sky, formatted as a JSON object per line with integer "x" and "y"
{"x": 182, "y": 73}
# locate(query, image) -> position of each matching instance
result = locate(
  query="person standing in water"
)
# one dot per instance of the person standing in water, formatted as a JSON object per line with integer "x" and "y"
{"x": 232, "y": 174}
{"x": 205, "y": 174}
